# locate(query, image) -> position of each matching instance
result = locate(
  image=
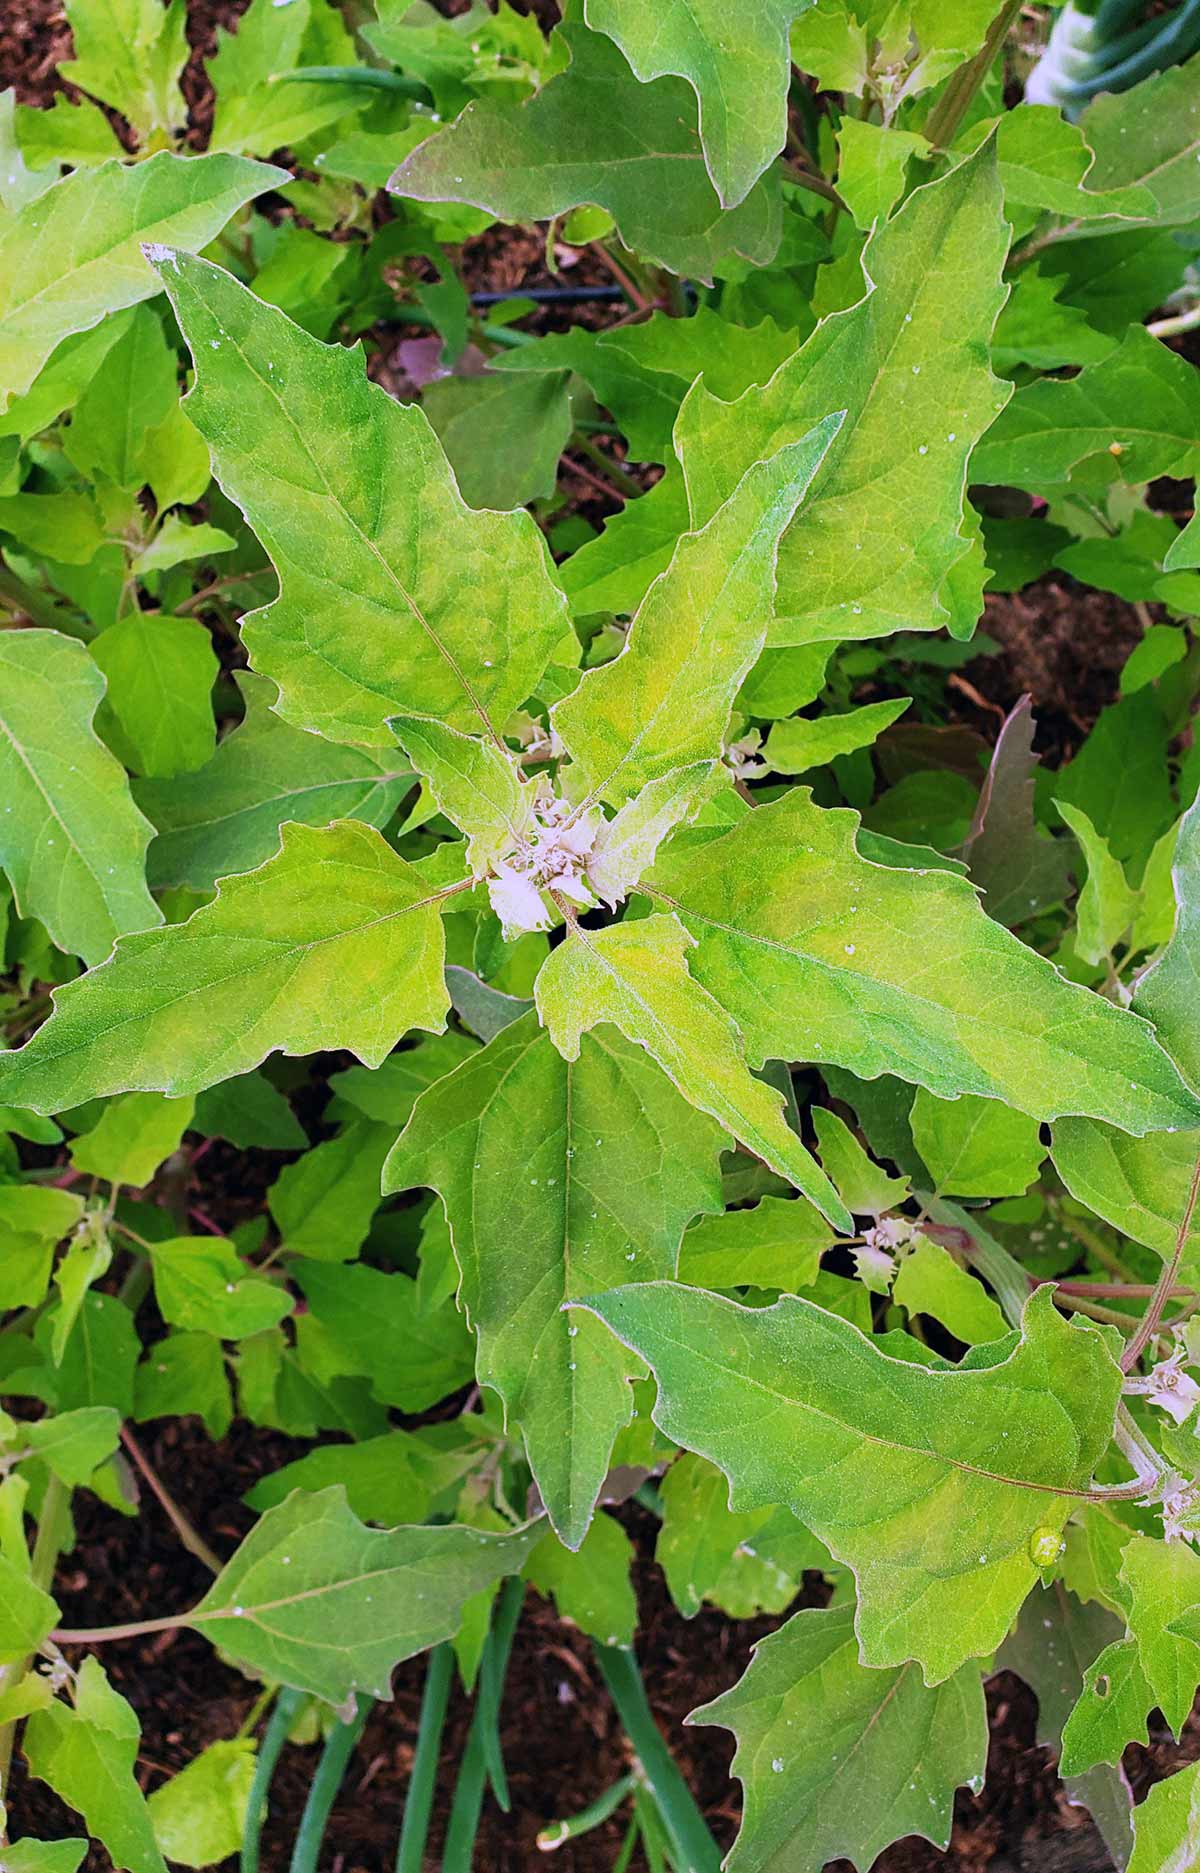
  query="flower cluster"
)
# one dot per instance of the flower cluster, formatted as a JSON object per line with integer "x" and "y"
{"x": 550, "y": 854}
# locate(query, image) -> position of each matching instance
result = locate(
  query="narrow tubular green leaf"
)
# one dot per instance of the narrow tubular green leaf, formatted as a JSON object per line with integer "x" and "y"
{"x": 335, "y": 942}
{"x": 395, "y": 596}
{"x": 930, "y": 1484}
{"x": 560, "y": 1178}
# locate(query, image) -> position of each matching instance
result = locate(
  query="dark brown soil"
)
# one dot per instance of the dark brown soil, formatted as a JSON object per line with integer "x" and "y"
{"x": 1064, "y": 645}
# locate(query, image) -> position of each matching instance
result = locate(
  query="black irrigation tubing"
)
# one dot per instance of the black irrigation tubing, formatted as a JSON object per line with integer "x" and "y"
{"x": 550, "y": 295}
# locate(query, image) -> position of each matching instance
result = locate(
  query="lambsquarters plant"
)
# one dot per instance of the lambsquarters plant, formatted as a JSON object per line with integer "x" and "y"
{"x": 584, "y": 994}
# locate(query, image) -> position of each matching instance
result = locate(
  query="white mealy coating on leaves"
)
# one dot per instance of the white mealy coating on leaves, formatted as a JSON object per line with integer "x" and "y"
{"x": 550, "y": 854}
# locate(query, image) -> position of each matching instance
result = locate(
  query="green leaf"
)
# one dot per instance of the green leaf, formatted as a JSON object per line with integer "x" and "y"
{"x": 590, "y": 1585}
{"x": 314, "y": 1599}
{"x": 87, "y": 1755}
{"x": 129, "y": 53}
{"x": 594, "y": 134}
{"x": 740, "y": 78}
{"x": 1167, "y": 993}
{"x": 641, "y": 372}
{"x": 374, "y": 1325}
{"x": 177, "y": 542}
{"x": 73, "y": 1444}
{"x": 388, "y": 1093}
{"x": 134, "y": 393}
{"x": 1132, "y": 416}
{"x": 665, "y": 701}
{"x": 1107, "y": 904}
{"x": 615, "y": 572}
{"x": 1163, "y": 1579}
{"x": 202, "y": 1285}
{"x": 198, "y": 1816}
{"x": 624, "y": 846}
{"x": 1166, "y": 1826}
{"x": 98, "y": 1359}
{"x": 27, "y": 1614}
{"x": 71, "y": 840}
{"x": 931, "y": 1282}
{"x": 777, "y": 1244}
{"x": 250, "y": 1113}
{"x": 178, "y": 1009}
{"x": 798, "y": 745}
{"x": 881, "y": 544}
{"x": 324, "y": 1202}
{"x": 612, "y": 1165}
{"x": 476, "y": 784}
{"x": 636, "y": 976}
{"x": 184, "y": 1374}
{"x": 837, "y": 1761}
{"x": 1111, "y": 1711}
{"x": 394, "y": 594}
{"x": 820, "y": 955}
{"x": 503, "y": 436}
{"x": 709, "y": 1553}
{"x": 1142, "y": 1186}
{"x": 159, "y": 674}
{"x": 133, "y": 1137}
{"x": 385, "y": 1478}
{"x": 67, "y": 526}
{"x": 1046, "y": 163}
{"x": 32, "y": 1221}
{"x": 976, "y": 1147}
{"x": 32, "y": 1856}
{"x": 75, "y": 253}
{"x": 930, "y": 1485}
{"x": 1150, "y": 137}
{"x": 251, "y": 112}
{"x": 863, "y": 1186}
{"x": 1121, "y": 779}
{"x": 226, "y": 816}
{"x": 872, "y": 162}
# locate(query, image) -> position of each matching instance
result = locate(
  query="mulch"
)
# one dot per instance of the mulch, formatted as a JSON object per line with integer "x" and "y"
{"x": 562, "y": 1742}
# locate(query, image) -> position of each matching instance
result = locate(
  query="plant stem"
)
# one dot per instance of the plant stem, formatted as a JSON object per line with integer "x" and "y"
{"x": 615, "y": 473}
{"x": 53, "y": 1525}
{"x": 692, "y": 1844}
{"x": 950, "y": 109}
{"x": 1093, "y": 1243}
{"x": 132, "y": 1629}
{"x": 1166, "y": 1281}
{"x": 418, "y": 1803}
{"x": 1174, "y": 326}
{"x": 282, "y": 1718}
{"x": 807, "y": 178}
{"x": 624, "y": 280}
{"x": 339, "y": 1747}
{"x": 192, "y": 1540}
